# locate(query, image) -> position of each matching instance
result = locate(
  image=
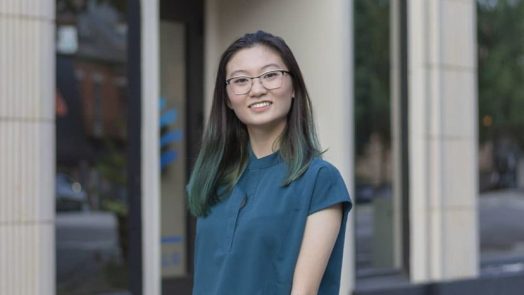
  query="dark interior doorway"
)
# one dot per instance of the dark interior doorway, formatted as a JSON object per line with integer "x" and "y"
{"x": 181, "y": 60}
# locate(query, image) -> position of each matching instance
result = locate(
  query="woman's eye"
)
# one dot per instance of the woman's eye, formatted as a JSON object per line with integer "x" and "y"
{"x": 271, "y": 75}
{"x": 240, "y": 81}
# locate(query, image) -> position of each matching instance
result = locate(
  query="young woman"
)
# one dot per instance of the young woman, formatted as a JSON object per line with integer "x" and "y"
{"x": 271, "y": 213}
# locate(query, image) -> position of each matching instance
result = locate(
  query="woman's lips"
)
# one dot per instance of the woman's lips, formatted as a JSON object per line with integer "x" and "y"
{"x": 260, "y": 106}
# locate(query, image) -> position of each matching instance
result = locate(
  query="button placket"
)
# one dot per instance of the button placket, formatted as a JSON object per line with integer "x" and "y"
{"x": 238, "y": 201}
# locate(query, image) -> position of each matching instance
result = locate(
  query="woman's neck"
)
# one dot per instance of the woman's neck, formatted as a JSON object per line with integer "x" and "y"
{"x": 264, "y": 140}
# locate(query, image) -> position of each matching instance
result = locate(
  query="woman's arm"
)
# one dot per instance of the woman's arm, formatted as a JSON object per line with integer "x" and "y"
{"x": 320, "y": 235}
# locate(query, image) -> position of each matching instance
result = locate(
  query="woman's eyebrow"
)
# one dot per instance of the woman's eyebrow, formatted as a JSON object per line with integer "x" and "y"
{"x": 271, "y": 65}
{"x": 238, "y": 72}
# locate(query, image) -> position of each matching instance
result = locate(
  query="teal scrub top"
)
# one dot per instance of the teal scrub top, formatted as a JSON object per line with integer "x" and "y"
{"x": 250, "y": 241}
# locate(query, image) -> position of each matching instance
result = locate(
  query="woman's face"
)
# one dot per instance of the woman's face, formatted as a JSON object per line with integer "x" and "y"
{"x": 259, "y": 108}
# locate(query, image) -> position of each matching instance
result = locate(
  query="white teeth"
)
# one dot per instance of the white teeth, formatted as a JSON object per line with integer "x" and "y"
{"x": 260, "y": 104}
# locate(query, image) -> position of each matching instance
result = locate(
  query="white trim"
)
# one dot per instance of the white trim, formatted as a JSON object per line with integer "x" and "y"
{"x": 347, "y": 280}
{"x": 150, "y": 149}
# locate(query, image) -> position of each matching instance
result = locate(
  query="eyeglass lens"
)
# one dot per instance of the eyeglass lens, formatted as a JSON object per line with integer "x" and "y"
{"x": 270, "y": 80}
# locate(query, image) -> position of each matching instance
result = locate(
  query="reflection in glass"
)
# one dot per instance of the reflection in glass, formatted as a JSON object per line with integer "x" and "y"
{"x": 91, "y": 141}
{"x": 373, "y": 154}
{"x": 501, "y": 136}
{"x": 173, "y": 144}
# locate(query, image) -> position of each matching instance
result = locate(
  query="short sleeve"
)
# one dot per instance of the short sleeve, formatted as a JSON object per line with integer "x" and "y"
{"x": 329, "y": 189}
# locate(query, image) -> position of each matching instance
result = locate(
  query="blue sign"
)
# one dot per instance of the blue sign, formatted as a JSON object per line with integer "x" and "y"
{"x": 168, "y": 135}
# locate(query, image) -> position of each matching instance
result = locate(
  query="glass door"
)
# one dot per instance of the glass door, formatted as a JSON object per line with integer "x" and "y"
{"x": 173, "y": 149}
{"x": 181, "y": 120}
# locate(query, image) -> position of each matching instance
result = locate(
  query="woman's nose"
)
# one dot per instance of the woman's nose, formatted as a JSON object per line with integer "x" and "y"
{"x": 257, "y": 87}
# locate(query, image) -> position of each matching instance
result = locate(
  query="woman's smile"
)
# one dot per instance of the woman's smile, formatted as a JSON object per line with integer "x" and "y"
{"x": 260, "y": 106}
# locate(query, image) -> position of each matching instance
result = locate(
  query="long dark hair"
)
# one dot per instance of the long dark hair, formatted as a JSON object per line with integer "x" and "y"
{"x": 224, "y": 154}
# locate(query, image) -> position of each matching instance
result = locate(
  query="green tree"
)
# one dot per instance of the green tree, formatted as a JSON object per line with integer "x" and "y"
{"x": 501, "y": 69}
{"x": 372, "y": 67}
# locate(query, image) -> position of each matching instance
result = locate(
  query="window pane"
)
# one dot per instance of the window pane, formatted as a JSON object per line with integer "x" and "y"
{"x": 173, "y": 110}
{"x": 91, "y": 143}
{"x": 375, "y": 210}
{"x": 501, "y": 136}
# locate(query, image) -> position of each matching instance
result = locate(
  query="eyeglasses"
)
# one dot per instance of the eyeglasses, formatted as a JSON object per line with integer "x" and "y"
{"x": 270, "y": 80}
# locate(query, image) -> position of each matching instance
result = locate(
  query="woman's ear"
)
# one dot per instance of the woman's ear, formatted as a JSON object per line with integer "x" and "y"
{"x": 228, "y": 103}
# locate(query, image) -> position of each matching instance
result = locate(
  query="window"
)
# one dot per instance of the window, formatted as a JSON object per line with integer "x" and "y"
{"x": 377, "y": 206}
{"x": 501, "y": 139}
{"x": 91, "y": 141}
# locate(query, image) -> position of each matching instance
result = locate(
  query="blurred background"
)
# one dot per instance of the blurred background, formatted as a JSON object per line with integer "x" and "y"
{"x": 102, "y": 105}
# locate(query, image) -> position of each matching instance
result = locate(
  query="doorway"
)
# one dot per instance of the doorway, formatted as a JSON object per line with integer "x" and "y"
{"x": 181, "y": 113}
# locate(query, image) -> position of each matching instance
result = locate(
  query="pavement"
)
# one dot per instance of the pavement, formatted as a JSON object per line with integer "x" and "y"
{"x": 88, "y": 255}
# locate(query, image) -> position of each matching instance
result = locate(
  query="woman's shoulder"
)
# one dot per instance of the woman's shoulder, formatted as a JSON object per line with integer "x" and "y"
{"x": 324, "y": 169}
{"x": 318, "y": 163}
{"x": 327, "y": 186}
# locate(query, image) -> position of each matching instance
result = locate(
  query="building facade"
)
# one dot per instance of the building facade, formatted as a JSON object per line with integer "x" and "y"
{"x": 27, "y": 148}
{"x": 426, "y": 233}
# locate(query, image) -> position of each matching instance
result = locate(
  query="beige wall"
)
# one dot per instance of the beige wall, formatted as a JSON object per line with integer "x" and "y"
{"x": 443, "y": 139}
{"x": 319, "y": 33}
{"x": 27, "y": 147}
